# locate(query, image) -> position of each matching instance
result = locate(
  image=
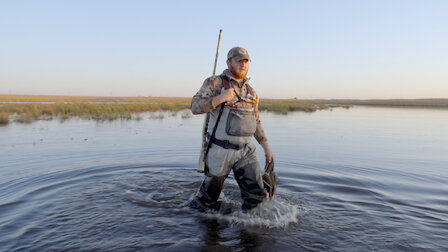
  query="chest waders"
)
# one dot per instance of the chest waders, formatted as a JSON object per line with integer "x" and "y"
{"x": 232, "y": 129}
{"x": 270, "y": 178}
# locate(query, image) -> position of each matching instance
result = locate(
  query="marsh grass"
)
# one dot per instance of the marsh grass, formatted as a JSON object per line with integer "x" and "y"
{"x": 27, "y": 108}
{"x": 286, "y": 106}
{"x": 4, "y": 118}
{"x": 27, "y": 112}
{"x": 87, "y": 99}
{"x": 415, "y": 103}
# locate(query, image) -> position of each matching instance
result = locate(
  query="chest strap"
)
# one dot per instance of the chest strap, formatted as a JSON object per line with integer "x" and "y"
{"x": 224, "y": 143}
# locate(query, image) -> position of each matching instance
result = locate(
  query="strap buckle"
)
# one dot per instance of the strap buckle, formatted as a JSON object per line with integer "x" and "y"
{"x": 226, "y": 144}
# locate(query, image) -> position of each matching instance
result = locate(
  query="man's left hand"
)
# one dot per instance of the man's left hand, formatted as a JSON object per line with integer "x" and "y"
{"x": 267, "y": 152}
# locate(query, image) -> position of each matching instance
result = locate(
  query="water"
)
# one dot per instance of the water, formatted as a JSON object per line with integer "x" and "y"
{"x": 350, "y": 180}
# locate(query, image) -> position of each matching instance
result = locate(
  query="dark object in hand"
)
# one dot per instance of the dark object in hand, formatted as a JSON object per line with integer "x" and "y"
{"x": 270, "y": 179}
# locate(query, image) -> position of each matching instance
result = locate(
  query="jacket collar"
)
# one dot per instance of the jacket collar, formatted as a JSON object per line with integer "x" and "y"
{"x": 229, "y": 75}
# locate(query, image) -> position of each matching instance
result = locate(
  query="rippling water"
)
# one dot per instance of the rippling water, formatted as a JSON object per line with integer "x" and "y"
{"x": 350, "y": 180}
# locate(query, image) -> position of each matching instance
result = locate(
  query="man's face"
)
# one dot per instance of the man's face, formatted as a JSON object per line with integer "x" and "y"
{"x": 238, "y": 68}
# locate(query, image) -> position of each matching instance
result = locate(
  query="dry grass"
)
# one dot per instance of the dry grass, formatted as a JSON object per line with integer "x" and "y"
{"x": 86, "y": 99}
{"x": 127, "y": 108}
{"x": 97, "y": 108}
{"x": 283, "y": 106}
{"x": 27, "y": 112}
{"x": 112, "y": 108}
{"x": 4, "y": 118}
{"x": 420, "y": 103}
{"x": 288, "y": 105}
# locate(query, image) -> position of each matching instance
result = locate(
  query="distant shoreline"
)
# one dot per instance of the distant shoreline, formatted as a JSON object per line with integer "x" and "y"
{"x": 27, "y": 108}
{"x": 419, "y": 102}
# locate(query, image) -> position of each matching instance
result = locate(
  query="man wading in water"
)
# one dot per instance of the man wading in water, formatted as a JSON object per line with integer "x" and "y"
{"x": 234, "y": 119}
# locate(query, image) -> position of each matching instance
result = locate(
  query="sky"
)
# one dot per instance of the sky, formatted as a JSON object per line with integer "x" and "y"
{"x": 305, "y": 49}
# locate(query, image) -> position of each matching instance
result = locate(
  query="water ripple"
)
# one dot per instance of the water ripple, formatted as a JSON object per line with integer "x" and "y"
{"x": 144, "y": 206}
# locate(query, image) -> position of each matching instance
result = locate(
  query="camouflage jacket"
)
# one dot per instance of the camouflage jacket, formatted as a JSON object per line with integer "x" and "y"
{"x": 202, "y": 100}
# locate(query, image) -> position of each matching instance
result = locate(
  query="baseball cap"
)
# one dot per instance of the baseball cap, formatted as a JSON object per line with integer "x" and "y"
{"x": 238, "y": 53}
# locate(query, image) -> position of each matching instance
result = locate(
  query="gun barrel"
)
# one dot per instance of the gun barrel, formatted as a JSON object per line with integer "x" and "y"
{"x": 217, "y": 51}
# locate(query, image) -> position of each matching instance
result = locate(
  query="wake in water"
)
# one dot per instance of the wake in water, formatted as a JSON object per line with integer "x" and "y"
{"x": 170, "y": 195}
{"x": 275, "y": 213}
{"x": 270, "y": 214}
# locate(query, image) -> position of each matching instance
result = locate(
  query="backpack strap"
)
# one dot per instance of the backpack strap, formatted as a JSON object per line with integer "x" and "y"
{"x": 226, "y": 84}
{"x": 225, "y": 81}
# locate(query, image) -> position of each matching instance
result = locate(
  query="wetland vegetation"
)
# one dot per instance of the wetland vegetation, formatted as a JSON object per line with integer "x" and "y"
{"x": 27, "y": 108}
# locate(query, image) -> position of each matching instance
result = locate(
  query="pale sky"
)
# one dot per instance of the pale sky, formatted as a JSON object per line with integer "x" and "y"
{"x": 305, "y": 49}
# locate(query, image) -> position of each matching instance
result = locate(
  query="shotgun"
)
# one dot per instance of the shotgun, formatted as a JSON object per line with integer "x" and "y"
{"x": 201, "y": 165}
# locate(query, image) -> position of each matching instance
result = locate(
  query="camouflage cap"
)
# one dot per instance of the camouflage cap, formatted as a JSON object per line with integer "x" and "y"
{"x": 238, "y": 53}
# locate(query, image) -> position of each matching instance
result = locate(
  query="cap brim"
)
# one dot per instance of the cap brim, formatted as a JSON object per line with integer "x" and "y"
{"x": 238, "y": 58}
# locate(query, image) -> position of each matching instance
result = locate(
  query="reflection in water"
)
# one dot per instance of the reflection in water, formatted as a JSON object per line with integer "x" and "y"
{"x": 357, "y": 179}
{"x": 255, "y": 242}
{"x": 212, "y": 238}
{"x": 218, "y": 238}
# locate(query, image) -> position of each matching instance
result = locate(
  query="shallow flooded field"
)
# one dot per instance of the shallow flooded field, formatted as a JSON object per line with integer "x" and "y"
{"x": 350, "y": 180}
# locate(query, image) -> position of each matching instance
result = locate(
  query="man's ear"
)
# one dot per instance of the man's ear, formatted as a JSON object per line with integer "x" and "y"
{"x": 228, "y": 63}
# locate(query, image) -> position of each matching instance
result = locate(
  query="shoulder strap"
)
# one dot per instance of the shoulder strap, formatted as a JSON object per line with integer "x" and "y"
{"x": 225, "y": 81}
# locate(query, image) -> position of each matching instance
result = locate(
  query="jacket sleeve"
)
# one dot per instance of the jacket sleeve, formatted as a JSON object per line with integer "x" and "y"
{"x": 202, "y": 100}
{"x": 259, "y": 131}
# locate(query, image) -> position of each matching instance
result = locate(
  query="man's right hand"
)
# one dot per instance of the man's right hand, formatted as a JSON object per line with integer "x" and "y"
{"x": 225, "y": 96}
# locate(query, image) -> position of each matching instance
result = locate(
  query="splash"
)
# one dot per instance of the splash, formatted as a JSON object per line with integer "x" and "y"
{"x": 269, "y": 214}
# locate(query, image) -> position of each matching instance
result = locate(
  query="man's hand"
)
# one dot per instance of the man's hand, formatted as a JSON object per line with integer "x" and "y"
{"x": 267, "y": 152}
{"x": 225, "y": 96}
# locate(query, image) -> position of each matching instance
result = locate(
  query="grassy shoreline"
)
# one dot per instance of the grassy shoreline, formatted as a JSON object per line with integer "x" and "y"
{"x": 415, "y": 103}
{"x": 27, "y": 108}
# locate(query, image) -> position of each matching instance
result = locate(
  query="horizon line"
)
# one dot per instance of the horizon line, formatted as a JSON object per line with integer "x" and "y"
{"x": 264, "y": 98}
